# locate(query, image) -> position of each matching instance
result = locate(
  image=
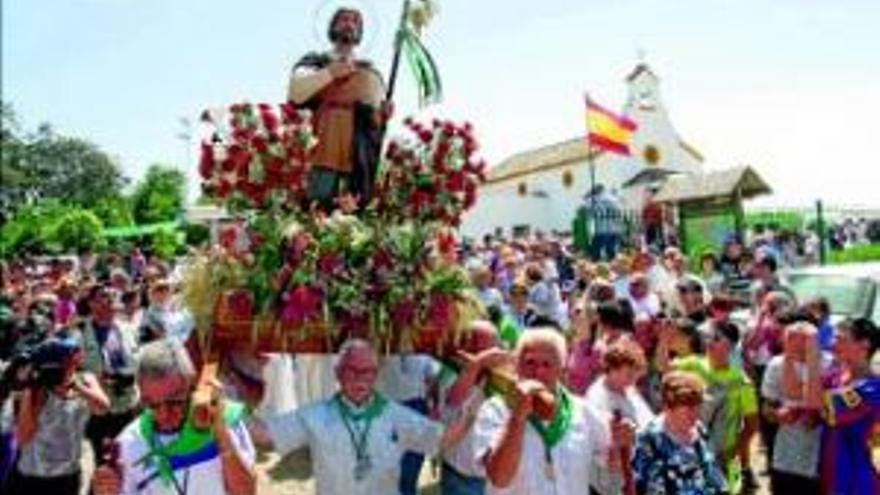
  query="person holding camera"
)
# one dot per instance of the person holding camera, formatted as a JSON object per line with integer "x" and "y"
{"x": 54, "y": 406}
{"x": 109, "y": 353}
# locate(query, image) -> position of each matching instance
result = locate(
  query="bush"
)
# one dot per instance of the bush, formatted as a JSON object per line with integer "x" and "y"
{"x": 858, "y": 254}
{"x": 785, "y": 220}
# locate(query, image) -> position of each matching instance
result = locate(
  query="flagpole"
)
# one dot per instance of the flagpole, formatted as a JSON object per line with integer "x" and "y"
{"x": 593, "y": 221}
{"x": 592, "y": 165}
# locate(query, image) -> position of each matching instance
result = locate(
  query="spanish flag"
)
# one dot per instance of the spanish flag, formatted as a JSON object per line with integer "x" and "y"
{"x": 607, "y": 130}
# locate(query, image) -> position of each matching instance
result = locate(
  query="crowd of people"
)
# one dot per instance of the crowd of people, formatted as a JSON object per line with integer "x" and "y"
{"x": 634, "y": 375}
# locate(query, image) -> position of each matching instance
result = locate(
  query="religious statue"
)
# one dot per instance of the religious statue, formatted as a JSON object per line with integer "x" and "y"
{"x": 347, "y": 96}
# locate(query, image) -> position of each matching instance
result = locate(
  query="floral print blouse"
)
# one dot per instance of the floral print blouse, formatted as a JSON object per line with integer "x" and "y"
{"x": 663, "y": 466}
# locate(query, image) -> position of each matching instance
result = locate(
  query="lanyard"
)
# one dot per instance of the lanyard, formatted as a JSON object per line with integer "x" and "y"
{"x": 359, "y": 437}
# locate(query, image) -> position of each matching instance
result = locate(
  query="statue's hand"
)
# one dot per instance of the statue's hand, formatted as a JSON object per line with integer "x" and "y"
{"x": 340, "y": 69}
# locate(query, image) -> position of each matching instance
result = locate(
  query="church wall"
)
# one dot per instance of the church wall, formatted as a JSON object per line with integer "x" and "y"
{"x": 548, "y": 204}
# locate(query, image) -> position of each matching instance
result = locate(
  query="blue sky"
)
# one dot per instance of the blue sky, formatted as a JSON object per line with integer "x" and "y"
{"x": 791, "y": 87}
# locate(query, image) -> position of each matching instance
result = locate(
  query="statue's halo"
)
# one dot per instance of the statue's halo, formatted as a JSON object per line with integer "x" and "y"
{"x": 372, "y": 22}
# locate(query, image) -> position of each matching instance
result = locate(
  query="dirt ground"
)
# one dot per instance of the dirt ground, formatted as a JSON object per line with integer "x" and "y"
{"x": 292, "y": 475}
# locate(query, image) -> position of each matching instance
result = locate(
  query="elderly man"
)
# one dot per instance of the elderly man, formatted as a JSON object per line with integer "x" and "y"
{"x": 358, "y": 437}
{"x": 167, "y": 449}
{"x": 523, "y": 454}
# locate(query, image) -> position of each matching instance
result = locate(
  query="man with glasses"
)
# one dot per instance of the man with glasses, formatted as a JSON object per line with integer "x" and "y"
{"x": 357, "y": 438}
{"x": 730, "y": 411}
{"x": 165, "y": 450}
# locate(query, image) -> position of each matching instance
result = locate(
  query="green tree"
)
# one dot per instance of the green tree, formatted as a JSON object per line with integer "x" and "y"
{"x": 46, "y": 165}
{"x": 166, "y": 243}
{"x": 159, "y": 196}
{"x": 114, "y": 211}
{"x": 12, "y": 148}
{"x": 77, "y": 230}
{"x": 50, "y": 226}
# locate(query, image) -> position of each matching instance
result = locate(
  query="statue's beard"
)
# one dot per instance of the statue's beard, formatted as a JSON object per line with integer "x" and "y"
{"x": 346, "y": 35}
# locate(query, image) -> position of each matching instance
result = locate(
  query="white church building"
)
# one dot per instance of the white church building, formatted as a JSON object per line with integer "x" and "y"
{"x": 542, "y": 188}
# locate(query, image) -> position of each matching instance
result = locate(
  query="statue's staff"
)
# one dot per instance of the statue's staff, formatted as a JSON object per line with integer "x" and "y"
{"x": 413, "y": 20}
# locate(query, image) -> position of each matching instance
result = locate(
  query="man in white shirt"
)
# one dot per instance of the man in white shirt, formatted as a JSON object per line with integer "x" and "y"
{"x": 525, "y": 455}
{"x": 461, "y": 396}
{"x": 165, "y": 451}
{"x": 358, "y": 437}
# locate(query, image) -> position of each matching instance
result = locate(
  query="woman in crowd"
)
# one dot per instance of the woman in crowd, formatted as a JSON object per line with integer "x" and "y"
{"x": 51, "y": 421}
{"x": 710, "y": 273}
{"x": 614, "y": 395}
{"x": 677, "y": 338}
{"x": 794, "y": 456}
{"x": 763, "y": 341}
{"x": 851, "y": 409}
{"x": 611, "y": 323}
{"x": 672, "y": 454}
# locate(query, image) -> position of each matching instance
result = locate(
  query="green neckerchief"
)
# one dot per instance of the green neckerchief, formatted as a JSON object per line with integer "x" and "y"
{"x": 190, "y": 439}
{"x": 552, "y": 433}
{"x": 368, "y": 412}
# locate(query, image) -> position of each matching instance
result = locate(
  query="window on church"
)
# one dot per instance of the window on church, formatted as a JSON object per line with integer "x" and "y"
{"x": 651, "y": 154}
{"x": 567, "y": 179}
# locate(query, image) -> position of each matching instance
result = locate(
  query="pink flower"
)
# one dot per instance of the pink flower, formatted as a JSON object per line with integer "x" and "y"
{"x": 302, "y": 304}
{"x": 330, "y": 264}
{"x": 381, "y": 260}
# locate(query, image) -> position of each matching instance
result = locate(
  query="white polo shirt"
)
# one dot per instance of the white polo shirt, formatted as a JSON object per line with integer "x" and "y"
{"x": 586, "y": 441}
{"x": 320, "y": 427}
{"x": 198, "y": 474}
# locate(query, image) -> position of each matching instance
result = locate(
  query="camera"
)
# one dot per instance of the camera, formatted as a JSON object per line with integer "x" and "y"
{"x": 40, "y": 364}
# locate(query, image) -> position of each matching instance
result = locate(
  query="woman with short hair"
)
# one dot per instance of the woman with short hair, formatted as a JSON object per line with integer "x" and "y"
{"x": 672, "y": 454}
